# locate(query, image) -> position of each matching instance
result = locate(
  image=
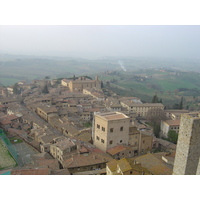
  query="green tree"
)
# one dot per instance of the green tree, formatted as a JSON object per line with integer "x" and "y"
{"x": 102, "y": 85}
{"x": 45, "y": 90}
{"x": 155, "y": 115}
{"x": 172, "y": 136}
{"x": 47, "y": 77}
{"x": 156, "y": 130}
{"x": 107, "y": 83}
{"x": 176, "y": 106}
{"x": 16, "y": 89}
{"x": 181, "y": 104}
{"x": 155, "y": 99}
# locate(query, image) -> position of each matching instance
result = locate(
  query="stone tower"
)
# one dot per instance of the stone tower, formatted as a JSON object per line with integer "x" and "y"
{"x": 188, "y": 146}
{"x": 110, "y": 129}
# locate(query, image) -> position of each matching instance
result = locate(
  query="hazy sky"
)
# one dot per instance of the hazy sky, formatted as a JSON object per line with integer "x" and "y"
{"x": 93, "y": 41}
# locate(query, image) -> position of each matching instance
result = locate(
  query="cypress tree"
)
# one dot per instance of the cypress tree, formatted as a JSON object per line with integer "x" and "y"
{"x": 155, "y": 99}
{"x": 181, "y": 104}
{"x": 45, "y": 90}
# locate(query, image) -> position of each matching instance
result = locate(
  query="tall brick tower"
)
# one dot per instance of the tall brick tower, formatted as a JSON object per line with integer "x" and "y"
{"x": 188, "y": 146}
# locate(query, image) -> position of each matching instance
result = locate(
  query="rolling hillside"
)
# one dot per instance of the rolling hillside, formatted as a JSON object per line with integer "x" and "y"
{"x": 167, "y": 84}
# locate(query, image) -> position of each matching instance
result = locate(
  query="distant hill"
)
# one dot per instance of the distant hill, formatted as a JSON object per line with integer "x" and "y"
{"x": 14, "y": 68}
{"x": 170, "y": 85}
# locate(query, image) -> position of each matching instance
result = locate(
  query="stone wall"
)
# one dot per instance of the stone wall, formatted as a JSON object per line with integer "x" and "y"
{"x": 188, "y": 146}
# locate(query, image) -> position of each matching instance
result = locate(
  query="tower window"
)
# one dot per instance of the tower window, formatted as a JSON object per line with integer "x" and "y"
{"x": 111, "y": 130}
{"x": 98, "y": 126}
{"x": 121, "y": 128}
{"x": 103, "y": 129}
{"x": 102, "y": 141}
{"x": 111, "y": 141}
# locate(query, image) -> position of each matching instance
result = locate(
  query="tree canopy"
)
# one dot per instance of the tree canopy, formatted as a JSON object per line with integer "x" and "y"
{"x": 155, "y": 115}
{"x": 45, "y": 90}
{"x": 16, "y": 89}
{"x": 172, "y": 136}
{"x": 156, "y": 99}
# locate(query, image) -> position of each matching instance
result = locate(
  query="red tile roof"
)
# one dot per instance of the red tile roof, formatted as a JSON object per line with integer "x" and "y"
{"x": 154, "y": 165}
{"x": 175, "y": 122}
{"x": 39, "y": 171}
{"x": 116, "y": 149}
{"x": 8, "y": 117}
{"x": 80, "y": 160}
{"x": 115, "y": 117}
{"x": 4, "y": 122}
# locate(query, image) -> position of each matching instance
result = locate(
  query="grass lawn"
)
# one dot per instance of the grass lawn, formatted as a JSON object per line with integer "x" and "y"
{"x": 88, "y": 124}
{"x": 15, "y": 140}
{"x": 6, "y": 160}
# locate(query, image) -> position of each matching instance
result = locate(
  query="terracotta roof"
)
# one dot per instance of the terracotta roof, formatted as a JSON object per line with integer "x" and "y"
{"x": 80, "y": 160}
{"x": 92, "y": 109}
{"x": 175, "y": 122}
{"x": 164, "y": 143}
{"x": 9, "y": 117}
{"x": 36, "y": 171}
{"x": 49, "y": 109}
{"x": 12, "y": 130}
{"x": 113, "y": 116}
{"x": 85, "y": 81}
{"x": 83, "y": 150}
{"x": 114, "y": 150}
{"x": 61, "y": 172}
{"x": 84, "y": 136}
{"x": 126, "y": 164}
{"x": 133, "y": 104}
{"x": 4, "y": 122}
{"x": 112, "y": 165}
{"x": 172, "y": 154}
{"x": 50, "y": 163}
{"x": 48, "y": 138}
{"x": 154, "y": 165}
{"x": 64, "y": 144}
{"x": 96, "y": 150}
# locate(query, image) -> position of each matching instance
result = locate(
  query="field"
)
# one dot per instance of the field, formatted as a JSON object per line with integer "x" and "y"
{"x": 6, "y": 160}
{"x": 17, "y": 68}
{"x": 168, "y": 85}
{"x": 145, "y": 77}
